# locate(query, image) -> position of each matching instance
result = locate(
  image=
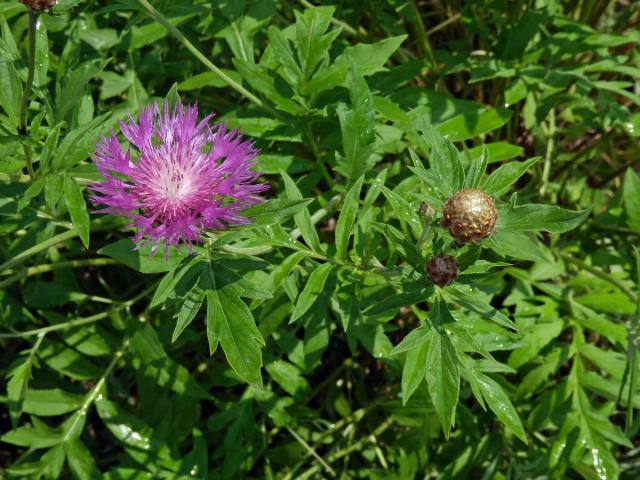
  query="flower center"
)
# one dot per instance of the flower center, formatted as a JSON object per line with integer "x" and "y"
{"x": 174, "y": 186}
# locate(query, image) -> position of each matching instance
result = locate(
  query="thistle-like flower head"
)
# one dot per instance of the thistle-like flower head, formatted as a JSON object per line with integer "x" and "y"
{"x": 178, "y": 178}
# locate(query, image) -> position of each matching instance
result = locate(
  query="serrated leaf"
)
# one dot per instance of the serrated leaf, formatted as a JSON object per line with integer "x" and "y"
{"x": 230, "y": 323}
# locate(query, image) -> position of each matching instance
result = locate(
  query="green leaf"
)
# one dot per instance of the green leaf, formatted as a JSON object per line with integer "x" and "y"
{"x": 468, "y": 299}
{"x": 225, "y": 276}
{"x": 519, "y": 245}
{"x": 347, "y": 217}
{"x": 74, "y": 84}
{"x": 443, "y": 379}
{"x": 413, "y": 340}
{"x": 415, "y": 368}
{"x": 78, "y": 143}
{"x": 53, "y": 188}
{"x": 534, "y": 217}
{"x": 500, "y": 404}
{"x": 312, "y": 290}
{"x": 302, "y": 218}
{"x": 229, "y": 322}
{"x": 534, "y": 339}
{"x": 631, "y": 195}
{"x": 46, "y": 403}
{"x": 311, "y": 40}
{"x": 496, "y": 151}
{"x": 470, "y": 125}
{"x": 289, "y": 377}
{"x": 190, "y": 306}
{"x": 81, "y": 462}
{"x": 77, "y": 208}
{"x": 10, "y": 92}
{"x": 275, "y": 211}
{"x": 138, "y": 438}
{"x": 477, "y": 168}
{"x": 357, "y": 125}
{"x": 502, "y": 179}
{"x": 445, "y": 162}
{"x": 141, "y": 260}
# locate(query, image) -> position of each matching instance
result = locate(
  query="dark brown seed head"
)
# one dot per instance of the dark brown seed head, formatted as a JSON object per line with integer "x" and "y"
{"x": 469, "y": 215}
{"x": 442, "y": 270}
{"x": 39, "y": 5}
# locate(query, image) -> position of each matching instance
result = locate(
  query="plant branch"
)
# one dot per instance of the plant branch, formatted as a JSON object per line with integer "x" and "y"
{"x": 600, "y": 274}
{"x": 162, "y": 20}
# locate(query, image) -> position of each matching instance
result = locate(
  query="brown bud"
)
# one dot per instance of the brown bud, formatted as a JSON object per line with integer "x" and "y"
{"x": 39, "y": 5}
{"x": 442, "y": 270}
{"x": 427, "y": 210}
{"x": 469, "y": 215}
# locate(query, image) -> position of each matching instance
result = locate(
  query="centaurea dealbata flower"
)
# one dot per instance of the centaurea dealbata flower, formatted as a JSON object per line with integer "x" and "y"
{"x": 178, "y": 178}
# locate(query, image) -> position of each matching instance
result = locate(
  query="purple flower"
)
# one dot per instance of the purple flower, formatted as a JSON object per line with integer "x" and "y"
{"x": 184, "y": 178}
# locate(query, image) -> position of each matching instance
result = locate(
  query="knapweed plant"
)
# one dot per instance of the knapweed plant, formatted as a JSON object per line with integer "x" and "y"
{"x": 362, "y": 240}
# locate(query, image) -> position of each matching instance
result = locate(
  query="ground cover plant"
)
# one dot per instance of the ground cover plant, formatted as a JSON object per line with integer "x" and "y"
{"x": 270, "y": 239}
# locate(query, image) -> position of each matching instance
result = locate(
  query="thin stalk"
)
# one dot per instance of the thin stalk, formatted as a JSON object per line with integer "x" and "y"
{"x": 8, "y": 178}
{"x": 423, "y": 37}
{"x": 351, "y": 448}
{"x": 600, "y": 274}
{"x": 38, "y": 269}
{"x": 355, "y": 417}
{"x": 311, "y": 451}
{"x": 29, "y": 252}
{"x": 26, "y": 94}
{"x": 447, "y": 22}
{"x": 550, "y": 148}
{"x": 60, "y": 326}
{"x": 93, "y": 394}
{"x": 162, "y": 20}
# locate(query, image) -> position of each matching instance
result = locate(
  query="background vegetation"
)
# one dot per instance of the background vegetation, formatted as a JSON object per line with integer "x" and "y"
{"x": 337, "y": 357}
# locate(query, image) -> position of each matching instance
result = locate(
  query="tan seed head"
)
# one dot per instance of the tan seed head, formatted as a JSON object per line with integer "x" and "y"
{"x": 469, "y": 215}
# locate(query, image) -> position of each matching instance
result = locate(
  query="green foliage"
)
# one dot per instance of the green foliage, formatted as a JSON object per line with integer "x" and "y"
{"x": 311, "y": 343}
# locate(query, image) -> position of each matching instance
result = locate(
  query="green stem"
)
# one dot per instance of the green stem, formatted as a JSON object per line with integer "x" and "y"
{"x": 38, "y": 269}
{"x": 423, "y": 37}
{"x": 29, "y": 252}
{"x": 8, "y": 178}
{"x": 550, "y": 147}
{"x": 26, "y": 94}
{"x": 311, "y": 451}
{"x": 162, "y": 20}
{"x": 91, "y": 397}
{"x": 60, "y": 326}
{"x": 600, "y": 274}
{"x": 351, "y": 448}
